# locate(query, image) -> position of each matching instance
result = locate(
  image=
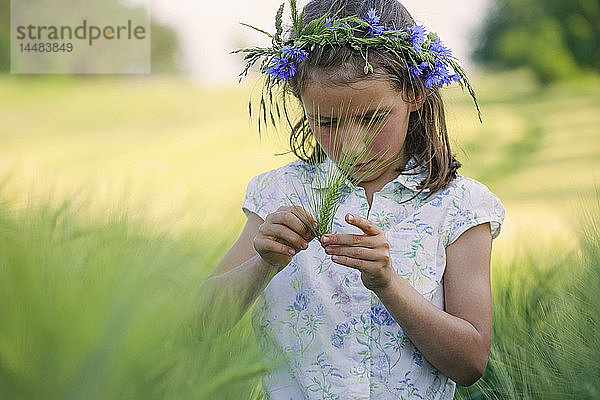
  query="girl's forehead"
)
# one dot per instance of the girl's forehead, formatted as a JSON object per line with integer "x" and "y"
{"x": 360, "y": 86}
{"x": 355, "y": 98}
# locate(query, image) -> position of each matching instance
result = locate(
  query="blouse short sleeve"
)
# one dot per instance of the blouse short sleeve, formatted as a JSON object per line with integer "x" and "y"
{"x": 261, "y": 195}
{"x": 473, "y": 204}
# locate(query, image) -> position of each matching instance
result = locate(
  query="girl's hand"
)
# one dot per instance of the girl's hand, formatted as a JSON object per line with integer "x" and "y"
{"x": 369, "y": 253}
{"x": 283, "y": 234}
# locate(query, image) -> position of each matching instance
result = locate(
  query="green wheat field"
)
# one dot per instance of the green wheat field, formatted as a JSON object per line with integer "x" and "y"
{"x": 118, "y": 196}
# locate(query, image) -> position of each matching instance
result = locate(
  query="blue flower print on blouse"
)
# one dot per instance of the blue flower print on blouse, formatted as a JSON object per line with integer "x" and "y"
{"x": 345, "y": 192}
{"x": 437, "y": 201}
{"x": 430, "y": 271}
{"x": 406, "y": 386}
{"x": 380, "y": 316}
{"x": 417, "y": 357}
{"x": 308, "y": 168}
{"x": 301, "y": 301}
{"x": 337, "y": 341}
{"x": 340, "y": 295}
{"x": 343, "y": 328}
{"x": 466, "y": 217}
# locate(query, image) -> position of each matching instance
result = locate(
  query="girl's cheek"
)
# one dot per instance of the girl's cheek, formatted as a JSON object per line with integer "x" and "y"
{"x": 381, "y": 142}
{"x": 326, "y": 140}
{"x": 323, "y": 142}
{"x": 387, "y": 138}
{"x": 325, "y": 145}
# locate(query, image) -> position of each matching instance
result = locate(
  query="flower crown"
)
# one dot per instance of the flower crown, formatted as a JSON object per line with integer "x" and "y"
{"x": 424, "y": 54}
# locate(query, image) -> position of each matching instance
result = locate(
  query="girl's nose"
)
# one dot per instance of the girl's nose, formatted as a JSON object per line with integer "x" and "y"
{"x": 353, "y": 141}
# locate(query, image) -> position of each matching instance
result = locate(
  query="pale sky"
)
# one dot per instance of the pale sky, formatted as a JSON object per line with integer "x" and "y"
{"x": 209, "y": 30}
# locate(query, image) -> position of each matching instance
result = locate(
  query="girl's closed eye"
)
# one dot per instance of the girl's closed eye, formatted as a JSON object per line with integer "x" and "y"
{"x": 376, "y": 119}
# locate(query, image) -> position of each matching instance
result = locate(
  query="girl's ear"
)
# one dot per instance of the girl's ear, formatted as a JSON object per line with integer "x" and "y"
{"x": 415, "y": 101}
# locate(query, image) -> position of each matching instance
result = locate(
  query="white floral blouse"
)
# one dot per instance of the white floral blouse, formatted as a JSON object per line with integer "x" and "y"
{"x": 337, "y": 338}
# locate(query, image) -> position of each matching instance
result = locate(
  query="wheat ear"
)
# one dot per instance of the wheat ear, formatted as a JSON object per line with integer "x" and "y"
{"x": 324, "y": 204}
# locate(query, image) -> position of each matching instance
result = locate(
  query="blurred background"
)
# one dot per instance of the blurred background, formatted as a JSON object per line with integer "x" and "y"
{"x": 120, "y": 193}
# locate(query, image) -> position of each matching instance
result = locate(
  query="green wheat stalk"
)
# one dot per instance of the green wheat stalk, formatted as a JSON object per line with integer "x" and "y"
{"x": 323, "y": 203}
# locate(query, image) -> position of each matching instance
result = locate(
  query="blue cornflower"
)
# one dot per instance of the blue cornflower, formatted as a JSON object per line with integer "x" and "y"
{"x": 418, "y": 35}
{"x": 281, "y": 68}
{"x": 373, "y": 20}
{"x": 454, "y": 78}
{"x": 448, "y": 79}
{"x": 294, "y": 53}
{"x": 372, "y": 17}
{"x": 434, "y": 77}
{"x": 399, "y": 31}
{"x": 330, "y": 23}
{"x": 438, "y": 47}
{"x": 376, "y": 30}
{"x": 381, "y": 316}
{"x": 440, "y": 76}
{"x": 301, "y": 301}
{"x": 416, "y": 70}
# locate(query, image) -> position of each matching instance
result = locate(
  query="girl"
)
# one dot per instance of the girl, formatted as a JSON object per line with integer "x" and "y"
{"x": 396, "y": 303}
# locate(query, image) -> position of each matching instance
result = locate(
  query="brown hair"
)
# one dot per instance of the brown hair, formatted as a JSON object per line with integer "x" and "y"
{"x": 427, "y": 136}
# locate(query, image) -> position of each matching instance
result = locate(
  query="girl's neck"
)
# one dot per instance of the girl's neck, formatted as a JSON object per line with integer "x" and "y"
{"x": 391, "y": 173}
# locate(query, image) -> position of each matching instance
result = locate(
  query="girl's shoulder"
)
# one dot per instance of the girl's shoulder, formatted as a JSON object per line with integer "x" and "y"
{"x": 289, "y": 173}
{"x": 469, "y": 202}
{"x": 464, "y": 185}
{"x": 277, "y": 187}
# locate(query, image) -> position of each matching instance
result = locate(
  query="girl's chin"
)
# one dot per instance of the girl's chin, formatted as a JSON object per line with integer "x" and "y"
{"x": 362, "y": 175}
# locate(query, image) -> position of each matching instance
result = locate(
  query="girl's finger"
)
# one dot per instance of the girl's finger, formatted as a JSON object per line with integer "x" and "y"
{"x": 356, "y": 263}
{"x": 283, "y": 232}
{"x": 291, "y": 246}
{"x": 356, "y": 252}
{"x": 368, "y": 227}
{"x": 291, "y": 220}
{"x": 274, "y": 246}
{"x": 346, "y": 239}
{"x": 310, "y": 223}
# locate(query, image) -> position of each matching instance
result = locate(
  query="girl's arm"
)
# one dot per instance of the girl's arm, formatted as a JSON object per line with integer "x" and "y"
{"x": 456, "y": 341}
{"x": 263, "y": 249}
{"x": 235, "y": 282}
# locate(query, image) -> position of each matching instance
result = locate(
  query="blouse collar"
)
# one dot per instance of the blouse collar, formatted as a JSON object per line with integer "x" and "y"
{"x": 417, "y": 175}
